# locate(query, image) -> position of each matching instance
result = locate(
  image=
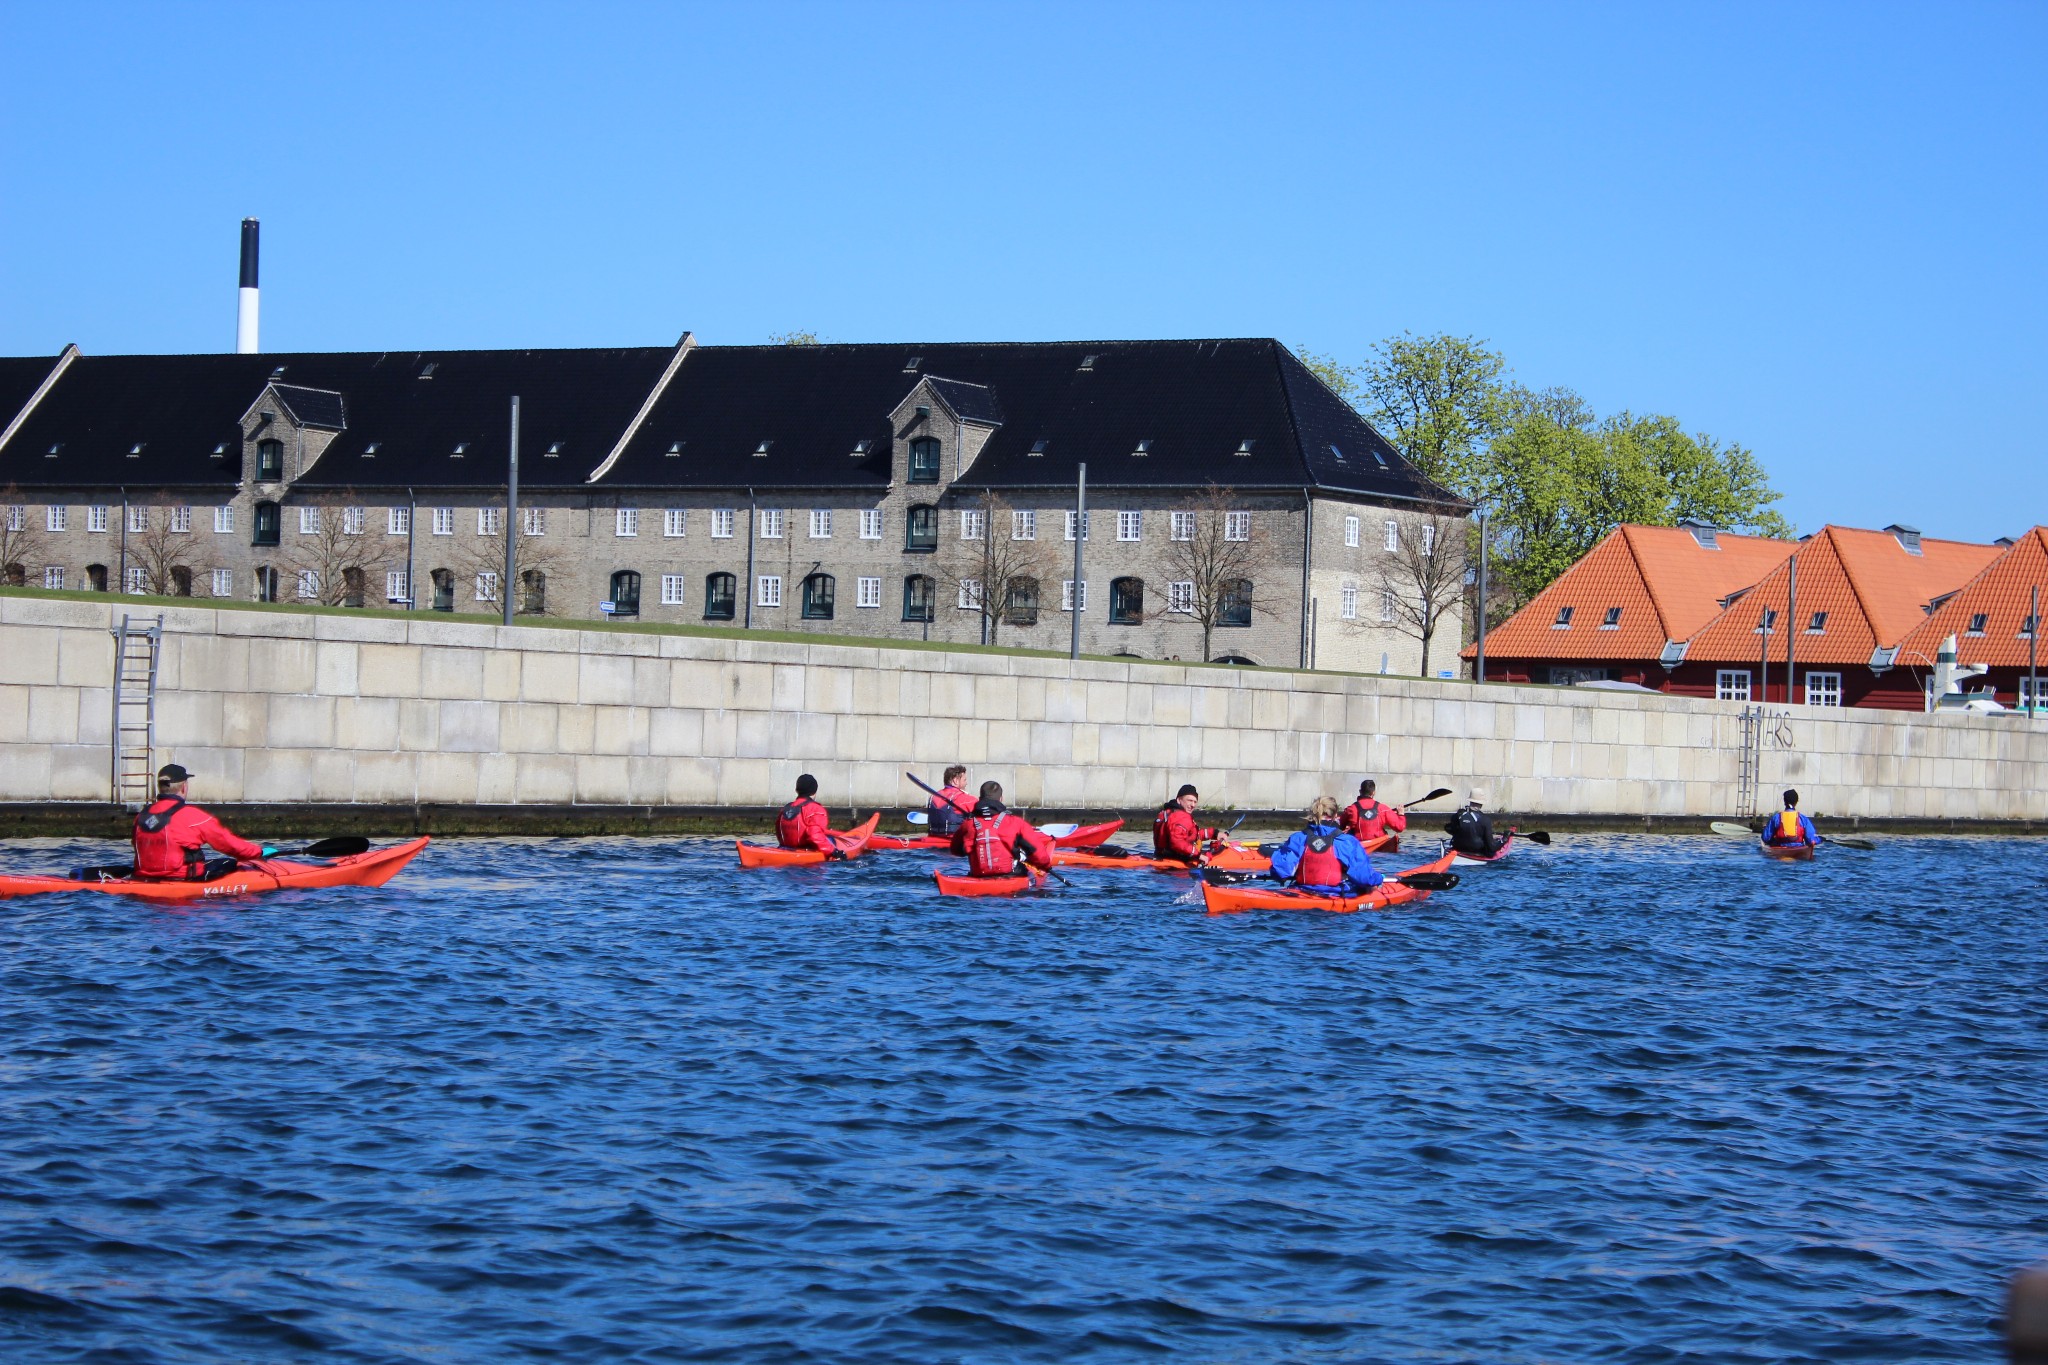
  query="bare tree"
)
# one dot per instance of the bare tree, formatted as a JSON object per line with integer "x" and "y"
{"x": 1423, "y": 578}
{"x": 1215, "y": 555}
{"x": 160, "y": 551}
{"x": 1000, "y": 571}
{"x": 23, "y": 543}
{"x": 480, "y": 561}
{"x": 336, "y": 561}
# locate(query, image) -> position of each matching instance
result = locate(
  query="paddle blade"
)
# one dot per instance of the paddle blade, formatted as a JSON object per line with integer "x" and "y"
{"x": 1439, "y": 793}
{"x": 1733, "y": 831}
{"x": 1538, "y": 837}
{"x": 1057, "y": 831}
{"x": 1429, "y": 881}
{"x": 1863, "y": 845}
{"x": 346, "y": 847}
{"x": 918, "y": 817}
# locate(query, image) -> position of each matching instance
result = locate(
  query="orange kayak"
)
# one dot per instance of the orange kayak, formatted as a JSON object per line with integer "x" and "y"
{"x": 853, "y": 843}
{"x": 373, "y": 868}
{"x": 1228, "y": 900}
{"x": 1787, "y": 853}
{"x": 961, "y": 884}
{"x": 1232, "y": 858}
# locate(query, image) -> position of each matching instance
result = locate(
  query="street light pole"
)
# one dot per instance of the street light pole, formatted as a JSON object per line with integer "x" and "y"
{"x": 511, "y": 517}
{"x": 1479, "y": 659}
{"x": 1080, "y": 539}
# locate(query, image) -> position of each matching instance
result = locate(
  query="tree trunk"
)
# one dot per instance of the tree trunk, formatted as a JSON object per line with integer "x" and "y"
{"x": 1207, "y": 631}
{"x": 1425, "y": 652}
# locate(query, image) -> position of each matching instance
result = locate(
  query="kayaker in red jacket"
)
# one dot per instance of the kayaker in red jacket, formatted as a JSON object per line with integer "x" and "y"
{"x": 952, "y": 804}
{"x": 994, "y": 841}
{"x": 1174, "y": 831}
{"x": 171, "y": 837}
{"x": 1367, "y": 818}
{"x": 803, "y": 822}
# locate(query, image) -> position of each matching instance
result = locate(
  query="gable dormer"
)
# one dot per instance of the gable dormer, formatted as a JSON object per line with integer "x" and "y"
{"x": 941, "y": 425}
{"x": 287, "y": 428}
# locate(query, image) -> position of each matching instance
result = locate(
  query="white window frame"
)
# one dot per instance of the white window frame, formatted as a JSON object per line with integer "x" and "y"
{"x": 54, "y": 517}
{"x": 17, "y": 518}
{"x": 867, "y": 592}
{"x": 352, "y": 521}
{"x": 871, "y": 524}
{"x": 675, "y": 589}
{"x": 53, "y": 578}
{"x": 1130, "y": 526}
{"x": 1084, "y": 517}
{"x": 95, "y": 521}
{"x": 222, "y": 582}
{"x": 722, "y": 519}
{"x": 1387, "y": 606}
{"x": 821, "y": 523}
{"x": 181, "y": 521}
{"x": 1732, "y": 684}
{"x": 1023, "y": 524}
{"x": 1823, "y": 688}
{"x": 1181, "y": 526}
{"x": 396, "y": 588}
{"x": 970, "y": 594}
{"x": 1392, "y": 543}
{"x": 309, "y": 521}
{"x": 1347, "y": 600}
{"x": 1180, "y": 597}
{"x": 768, "y": 590}
{"x": 1428, "y": 540}
{"x": 490, "y": 521}
{"x": 1067, "y": 595}
{"x": 486, "y": 585}
{"x": 137, "y": 579}
{"x": 973, "y": 523}
{"x": 444, "y": 521}
{"x": 224, "y": 519}
{"x": 138, "y": 519}
{"x": 626, "y": 522}
{"x": 2027, "y": 692}
{"x": 1351, "y": 532}
{"x": 1237, "y": 526}
{"x": 308, "y": 584}
{"x": 533, "y": 521}
{"x": 397, "y": 521}
{"x": 771, "y": 527}
{"x": 675, "y": 522}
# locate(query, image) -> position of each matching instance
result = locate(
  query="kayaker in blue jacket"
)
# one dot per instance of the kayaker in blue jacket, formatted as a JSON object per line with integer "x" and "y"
{"x": 1323, "y": 858}
{"x": 1789, "y": 829}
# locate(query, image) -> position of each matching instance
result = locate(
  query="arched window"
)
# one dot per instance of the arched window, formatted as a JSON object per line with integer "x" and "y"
{"x": 352, "y": 587}
{"x": 96, "y": 577}
{"x": 920, "y": 598}
{"x": 924, "y": 460}
{"x": 1234, "y": 605}
{"x": 625, "y": 593}
{"x": 444, "y": 589}
{"x": 1237, "y": 659}
{"x": 533, "y": 592}
{"x": 17, "y": 575}
{"x": 269, "y": 461}
{"x": 267, "y": 523}
{"x": 721, "y": 597}
{"x": 1126, "y": 601}
{"x": 266, "y": 584}
{"x": 181, "y": 581}
{"x": 921, "y": 530}
{"x": 1020, "y": 601}
{"x": 819, "y": 594}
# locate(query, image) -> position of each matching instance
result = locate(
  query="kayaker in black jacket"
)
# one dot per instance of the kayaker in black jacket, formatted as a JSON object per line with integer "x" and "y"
{"x": 1471, "y": 829}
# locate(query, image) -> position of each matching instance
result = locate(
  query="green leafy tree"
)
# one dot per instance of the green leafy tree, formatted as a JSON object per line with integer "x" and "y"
{"x": 1440, "y": 400}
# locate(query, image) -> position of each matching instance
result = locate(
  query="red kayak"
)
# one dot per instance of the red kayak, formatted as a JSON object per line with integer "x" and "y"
{"x": 853, "y": 843}
{"x": 962, "y": 884}
{"x": 1086, "y": 836}
{"x": 1787, "y": 853}
{"x": 1227, "y": 900}
{"x": 1231, "y": 858}
{"x": 373, "y": 868}
{"x": 1473, "y": 860}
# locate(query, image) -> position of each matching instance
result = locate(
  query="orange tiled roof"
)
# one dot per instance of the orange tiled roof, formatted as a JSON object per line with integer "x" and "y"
{"x": 1871, "y": 587}
{"x": 1667, "y": 584}
{"x": 2000, "y": 595}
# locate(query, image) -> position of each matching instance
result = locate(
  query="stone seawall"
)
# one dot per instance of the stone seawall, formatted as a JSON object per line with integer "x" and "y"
{"x": 286, "y": 707}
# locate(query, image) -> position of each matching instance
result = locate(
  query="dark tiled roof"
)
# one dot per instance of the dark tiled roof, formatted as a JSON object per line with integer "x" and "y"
{"x": 313, "y": 407}
{"x": 971, "y": 402}
{"x": 20, "y": 377}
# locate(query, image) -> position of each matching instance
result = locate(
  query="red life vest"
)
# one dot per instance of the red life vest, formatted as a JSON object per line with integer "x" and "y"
{"x": 1320, "y": 865}
{"x": 991, "y": 846}
{"x": 157, "y": 853}
{"x": 796, "y": 827}
{"x": 1175, "y": 833}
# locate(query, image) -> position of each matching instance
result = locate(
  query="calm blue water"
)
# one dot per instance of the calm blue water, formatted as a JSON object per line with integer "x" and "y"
{"x": 1627, "y": 1099}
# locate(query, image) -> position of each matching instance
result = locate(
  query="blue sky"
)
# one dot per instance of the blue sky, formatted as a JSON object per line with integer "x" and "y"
{"x": 1814, "y": 229}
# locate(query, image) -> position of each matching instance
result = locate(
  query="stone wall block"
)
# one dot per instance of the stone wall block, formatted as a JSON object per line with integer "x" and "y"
{"x": 85, "y": 660}
{"x": 388, "y": 670}
{"x": 1105, "y": 702}
{"x": 995, "y": 697}
{"x": 67, "y": 772}
{"x": 419, "y": 726}
{"x": 359, "y": 629}
{"x": 604, "y": 680}
{"x": 334, "y": 668}
{"x": 182, "y": 718}
{"x": 828, "y": 689}
{"x": 450, "y": 777}
{"x": 365, "y": 725}
{"x": 689, "y": 781}
{"x": 502, "y": 670}
{"x": 675, "y": 733}
{"x": 53, "y": 715}
{"x": 299, "y": 722}
{"x": 549, "y": 677}
{"x": 545, "y": 778}
{"x": 469, "y": 727}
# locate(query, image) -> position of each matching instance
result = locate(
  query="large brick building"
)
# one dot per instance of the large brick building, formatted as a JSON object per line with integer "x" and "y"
{"x": 851, "y": 489}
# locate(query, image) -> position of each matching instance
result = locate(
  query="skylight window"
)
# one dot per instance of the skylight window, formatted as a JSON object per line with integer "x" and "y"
{"x": 428, "y": 372}
{"x": 1336, "y": 453}
{"x": 861, "y": 448}
{"x": 675, "y": 449}
{"x": 910, "y": 365}
{"x": 1038, "y": 446}
{"x": 761, "y": 450}
{"x": 1088, "y": 362}
{"x": 370, "y": 450}
{"x": 220, "y": 450}
{"x": 1818, "y": 625}
{"x": 2027, "y": 628}
{"x": 1977, "y": 623}
{"x": 461, "y": 449}
{"x": 135, "y": 451}
{"x": 1379, "y": 457}
{"x": 1244, "y": 447}
{"x": 1143, "y": 448}
{"x": 554, "y": 450}
{"x": 1769, "y": 622}
{"x": 53, "y": 451}
{"x": 1564, "y": 619}
{"x": 1613, "y": 619}
{"x": 276, "y": 372}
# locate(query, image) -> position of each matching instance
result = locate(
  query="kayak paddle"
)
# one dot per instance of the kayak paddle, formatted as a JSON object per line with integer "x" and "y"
{"x": 1440, "y": 791}
{"x": 1427, "y": 881}
{"x": 345, "y": 847}
{"x": 1861, "y": 845}
{"x": 1057, "y": 831}
{"x": 918, "y": 817}
{"x": 1732, "y": 830}
{"x": 1536, "y": 837}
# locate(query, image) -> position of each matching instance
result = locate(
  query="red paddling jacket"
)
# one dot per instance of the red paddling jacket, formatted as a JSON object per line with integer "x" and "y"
{"x": 1176, "y": 835}
{"x": 994, "y": 841}
{"x": 1367, "y": 818}
{"x": 170, "y": 839}
{"x": 804, "y": 824}
{"x": 948, "y": 809}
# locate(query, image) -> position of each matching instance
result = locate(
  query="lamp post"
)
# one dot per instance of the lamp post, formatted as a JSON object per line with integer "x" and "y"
{"x": 1479, "y": 654}
{"x": 1080, "y": 539}
{"x": 511, "y": 516}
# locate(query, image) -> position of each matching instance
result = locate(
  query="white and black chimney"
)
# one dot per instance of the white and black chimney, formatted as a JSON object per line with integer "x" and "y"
{"x": 245, "y": 310}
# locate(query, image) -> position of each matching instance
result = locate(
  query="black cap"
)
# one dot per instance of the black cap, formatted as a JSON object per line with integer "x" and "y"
{"x": 172, "y": 772}
{"x": 807, "y": 785}
{"x": 1186, "y": 789}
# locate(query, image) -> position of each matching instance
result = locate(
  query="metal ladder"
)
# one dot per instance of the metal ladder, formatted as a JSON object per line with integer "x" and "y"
{"x": 1749, "y": 776}
{"x": 137, "y": 649}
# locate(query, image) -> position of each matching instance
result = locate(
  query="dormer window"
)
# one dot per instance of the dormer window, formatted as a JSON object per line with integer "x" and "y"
{"x": 270, "y": 460}
{"x": 54, "y": 450}
{"x": 1564, "y": 619}
{"x": 1977, "y": 623}
{"x": 135, "y": 451}
{"x": 675, "y": 449}
{"x": 1612, "y": 620}
{"x": 461, "y": 449}
{"x": 761, "y": 450}
{"x": 370, "y": 450}
{"x": 1707, "y": 537}
{"x": 1907, "y": 536}
{"x": 554, "y": 450}
{"x": 924, "y": 460}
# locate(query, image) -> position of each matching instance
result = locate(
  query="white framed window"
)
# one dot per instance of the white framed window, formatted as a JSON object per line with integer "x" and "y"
{"x": 2033, "y": 691}
{"x": 397, "y": 521}
{"x": 486, "y": 586}
{"x": 533, "y": 521}
{"x": 1347, "y": 602}
{"x": 771, "y": 525}
{"x": 1067, "y": 595}
{"x": 138, "y": 580}
{"x": 224, "y": 519}
{"x": 53, "y": 519}
{"x": 769, "y": 591}
{"x": 396, "y": 588}
{"x": 309, "y": 584}
{"x": 351, "y": 521}
{"x": 53, "y": 577}
{"x": 721, "y": 523}
{"x": 309, "y": 521}
{"x": 1386, "y": 606}
{"x": 871, "y": 523}
{"x": 1023, "y": 525}
{"x": 1082, "y": 518}
{"x": 181, "y": 521}
{"x": 973, "y": 523}
{"x": 970, "y": 594}
{"x": 1351, "y": 532}
{"x": 17, "y": 518}
{"x": 675, "y": 521}
{"x": 867, "y": 592}
{"x": 1237, "y": 526}
{"x": 1181, "y": 525}
{"x": 1180, "y": 597}
{"x": 1429, "y": 540}
{"x": 490, "y": 521}
{"x": 444, "y": 521}
{"x": 95, "y": 520}
{"x": 1823, "y": 689}
{"x": 1731, "y": 684}
{"x": 673, "y": 588}
{"x": 821, "y": 523}
{"x": 223, "y": 582}
{"x": 138, "y": 518}
{"x": 1393, "y": 541}
{"x": 626, "y": 521}
{"x": 1130, "y": 525}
